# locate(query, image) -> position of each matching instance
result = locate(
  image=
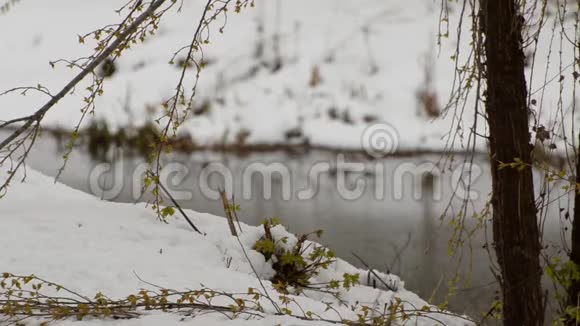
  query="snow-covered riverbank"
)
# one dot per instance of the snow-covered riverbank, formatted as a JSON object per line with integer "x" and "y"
{"x": 71, "y": 238}
{"x": 334, "y": 80}
{"x": 284, "y": 72}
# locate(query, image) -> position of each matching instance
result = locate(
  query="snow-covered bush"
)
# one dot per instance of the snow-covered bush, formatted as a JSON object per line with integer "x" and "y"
{"x": 297, "y": 260}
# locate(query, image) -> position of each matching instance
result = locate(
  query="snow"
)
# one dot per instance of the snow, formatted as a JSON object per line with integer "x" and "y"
{"x": 73, "y": 239}
{"x": 372, "y": 58}
{"x": 380, "y": 82}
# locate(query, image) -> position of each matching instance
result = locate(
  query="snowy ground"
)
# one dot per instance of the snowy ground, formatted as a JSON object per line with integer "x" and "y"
{"x": 371, "y": 59}
{"x": 90, "y": 246}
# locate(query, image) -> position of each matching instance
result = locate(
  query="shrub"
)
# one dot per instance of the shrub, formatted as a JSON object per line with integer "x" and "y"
{"x": 295, "y": 263}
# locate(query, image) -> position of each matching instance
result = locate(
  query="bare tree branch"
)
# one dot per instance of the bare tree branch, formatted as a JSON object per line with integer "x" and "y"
{"x": 120, "y": 39}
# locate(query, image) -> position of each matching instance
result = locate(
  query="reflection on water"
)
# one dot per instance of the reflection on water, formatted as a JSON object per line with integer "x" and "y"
{"x": 402, "y": 234}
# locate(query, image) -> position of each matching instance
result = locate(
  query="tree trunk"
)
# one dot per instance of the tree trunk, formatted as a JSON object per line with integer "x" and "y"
{"x": 574, "y": 289}
{"x": 515, "y": 228}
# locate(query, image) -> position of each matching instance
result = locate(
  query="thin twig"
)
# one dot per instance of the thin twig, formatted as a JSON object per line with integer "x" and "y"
{"x": 180, "y": 209}
{"x": 390, "y": 287}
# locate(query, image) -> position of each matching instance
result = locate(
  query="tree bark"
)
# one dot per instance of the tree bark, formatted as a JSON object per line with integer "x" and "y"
{"x": 574, "y": 289}
{"x": 515, "y": 228}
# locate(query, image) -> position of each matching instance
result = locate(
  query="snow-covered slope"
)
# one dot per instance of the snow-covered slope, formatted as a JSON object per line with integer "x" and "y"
{"x": 370, "y": 60}
{"x": 91, "y": 246}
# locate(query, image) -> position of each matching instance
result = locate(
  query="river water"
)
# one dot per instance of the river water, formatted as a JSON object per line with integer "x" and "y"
{"x": 404, "y": 229}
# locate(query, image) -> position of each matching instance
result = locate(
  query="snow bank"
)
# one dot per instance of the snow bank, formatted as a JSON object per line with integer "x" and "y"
{"x": 370, "y": 58}
{"x": 90, "y": 246}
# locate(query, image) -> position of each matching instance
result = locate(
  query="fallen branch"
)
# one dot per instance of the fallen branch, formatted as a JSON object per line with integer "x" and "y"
{"x": 371, "y": 271}
{"x": 180, "y": 209}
